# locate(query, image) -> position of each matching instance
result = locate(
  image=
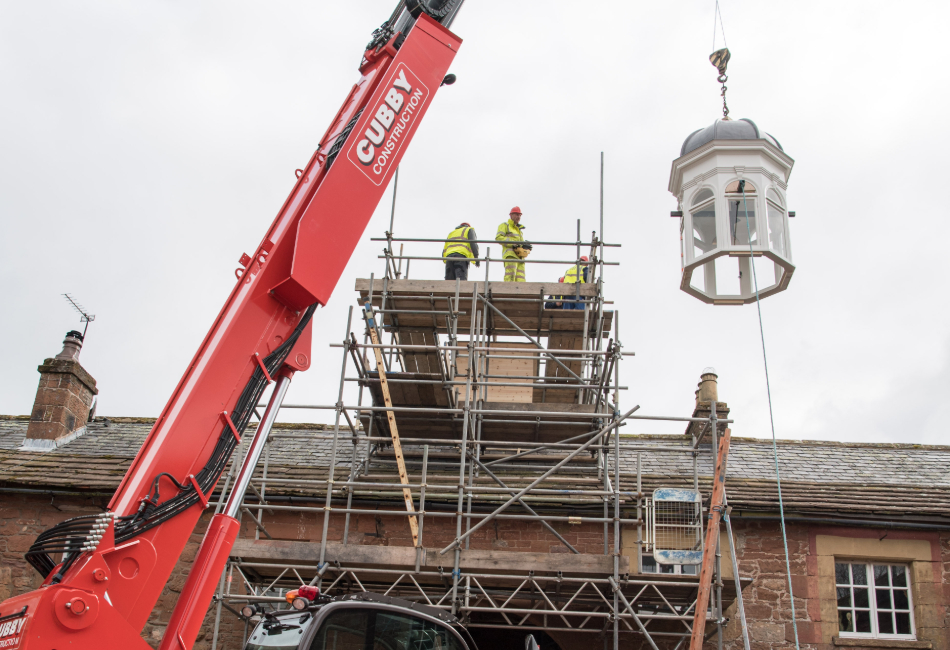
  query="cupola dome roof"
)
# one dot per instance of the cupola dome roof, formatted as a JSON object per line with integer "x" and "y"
{"x": 744, "y": 129}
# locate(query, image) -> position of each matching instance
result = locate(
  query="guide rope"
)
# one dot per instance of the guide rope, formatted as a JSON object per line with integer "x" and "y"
{"x": 768, "y": 389}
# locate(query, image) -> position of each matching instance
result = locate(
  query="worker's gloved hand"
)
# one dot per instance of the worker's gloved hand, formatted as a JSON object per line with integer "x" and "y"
{"x": 527, "y": 245}
{"x": 478, "y": 263}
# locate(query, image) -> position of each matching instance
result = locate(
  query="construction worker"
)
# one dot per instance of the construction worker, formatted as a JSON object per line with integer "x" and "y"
{"x": 577, "y": 274}
{"x": 458, "y": 250}
{"x": 555, "y": 302}
{"x": 513, "y": 247}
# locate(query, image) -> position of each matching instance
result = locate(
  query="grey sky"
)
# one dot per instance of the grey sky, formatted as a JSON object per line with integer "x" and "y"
{"x": 146, "y": 145}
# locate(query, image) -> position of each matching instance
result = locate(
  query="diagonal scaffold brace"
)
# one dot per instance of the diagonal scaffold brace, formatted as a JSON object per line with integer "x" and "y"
{"x": 391, "y": 416}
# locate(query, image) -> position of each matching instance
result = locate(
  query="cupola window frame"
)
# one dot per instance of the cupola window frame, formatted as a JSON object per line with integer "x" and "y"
{"x": 703, "y": 223}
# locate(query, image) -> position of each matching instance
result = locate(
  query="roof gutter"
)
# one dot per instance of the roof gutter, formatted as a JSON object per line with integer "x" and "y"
{"x": 55, "y": 492}
{"x": 870, "y": 523}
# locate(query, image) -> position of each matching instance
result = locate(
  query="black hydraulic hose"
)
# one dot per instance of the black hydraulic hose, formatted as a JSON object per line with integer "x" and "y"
{"x": 69, "y": 536}
{"x": 154, "y": 513}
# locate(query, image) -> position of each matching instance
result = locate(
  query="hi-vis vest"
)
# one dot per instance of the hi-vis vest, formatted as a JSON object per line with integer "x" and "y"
{"x": 509, "y": 231}
{"x": 458, "y": 243}
{"x": 574, "y": 275}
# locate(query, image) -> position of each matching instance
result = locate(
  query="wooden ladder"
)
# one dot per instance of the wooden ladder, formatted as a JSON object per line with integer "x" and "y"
{"x": 397, "y": 445}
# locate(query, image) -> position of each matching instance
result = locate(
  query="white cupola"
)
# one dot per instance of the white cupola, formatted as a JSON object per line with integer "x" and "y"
{"x": 730, "y": 185}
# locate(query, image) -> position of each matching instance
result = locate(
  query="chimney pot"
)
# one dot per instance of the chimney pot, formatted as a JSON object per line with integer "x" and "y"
{"x": 72, "y": 345}
{"x": 708, "y": 386}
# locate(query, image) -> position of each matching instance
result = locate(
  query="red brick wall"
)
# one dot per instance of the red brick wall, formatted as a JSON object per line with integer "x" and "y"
{"x": 23, "y": 517}
{"x": 768, "y": 607}
{"x": 759, "y": 547}
{"x": 761, "y": 556}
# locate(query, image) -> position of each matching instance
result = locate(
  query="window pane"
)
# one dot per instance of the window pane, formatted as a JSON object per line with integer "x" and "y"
{"x": 775, "y": 196}
{"x": 885, "y": 624}
{"x": 777, "y": 230}
{"x": 900, "y": 599}
{"x": 883, "y": 598}
{"x": 275, "y": 637}
{"x": 845, "y": 621}
{"x": 900, "y": 576}
{"x": 881, "y": 575}
{"x": 392, "y": 632}
{"x": 704, "y": 230}
{"x": 859, "y": 571}
{"x": 400, "y": 632}
{"x": 863, "y": 621}
{"x": 733, "y": 187}
{"x": 742, "y": 229}
{"x": 842, "y": 573}
{"x": 343, "y": 630}
{"x": 861, "y": 597}
{"x": 903, "y": 623}
{"x": 689, "y": 569}
{"x": 844, "y": 597}
{"x": 649, "y": 564}
{"x": 702, "y": 195}
{"x": 667, "y": 568}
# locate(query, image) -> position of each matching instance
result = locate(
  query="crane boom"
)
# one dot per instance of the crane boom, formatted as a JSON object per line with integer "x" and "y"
{"x": 113, "y": 567}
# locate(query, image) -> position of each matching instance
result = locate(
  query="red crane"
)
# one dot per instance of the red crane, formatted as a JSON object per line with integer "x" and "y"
{"x": 113, "y": 567}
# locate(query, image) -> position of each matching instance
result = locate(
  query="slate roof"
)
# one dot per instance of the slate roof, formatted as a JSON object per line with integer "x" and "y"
{"x": 826, "y": 478}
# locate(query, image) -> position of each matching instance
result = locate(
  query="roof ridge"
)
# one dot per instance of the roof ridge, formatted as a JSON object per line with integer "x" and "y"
{"x": 795, "y": 441}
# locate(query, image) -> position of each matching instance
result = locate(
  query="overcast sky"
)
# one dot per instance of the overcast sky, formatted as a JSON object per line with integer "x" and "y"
{"x": 145, "y": 145}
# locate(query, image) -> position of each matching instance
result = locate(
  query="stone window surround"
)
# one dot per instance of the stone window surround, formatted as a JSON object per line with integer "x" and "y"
{"x": 871, "y": 587}
{"x": 921, "y": 551}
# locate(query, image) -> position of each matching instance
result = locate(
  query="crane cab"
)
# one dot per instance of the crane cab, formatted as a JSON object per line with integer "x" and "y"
{"x": 362, "y": 621}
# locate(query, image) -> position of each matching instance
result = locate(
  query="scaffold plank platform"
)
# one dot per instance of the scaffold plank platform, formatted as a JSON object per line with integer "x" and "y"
{"x": 424, "y": 303}
{"x": 265, "y": 550}
{"x": 501, "y": 421}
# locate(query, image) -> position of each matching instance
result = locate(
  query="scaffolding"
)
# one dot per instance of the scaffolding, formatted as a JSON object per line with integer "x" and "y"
{"x": 508, "y": 412}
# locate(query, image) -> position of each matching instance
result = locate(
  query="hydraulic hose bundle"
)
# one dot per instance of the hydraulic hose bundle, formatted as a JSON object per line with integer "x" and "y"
{"x": 72, "y": 536}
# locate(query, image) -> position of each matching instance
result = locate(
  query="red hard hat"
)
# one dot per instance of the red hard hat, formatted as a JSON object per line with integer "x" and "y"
{"x": 514, "y": 210}
{"x": 465, "y": 224}
{"x": 584, "y": 258}
{"x": 560, "y": 279}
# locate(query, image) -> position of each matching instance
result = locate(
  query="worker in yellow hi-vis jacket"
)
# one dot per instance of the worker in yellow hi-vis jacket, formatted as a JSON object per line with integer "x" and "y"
{"x": 577, "y": 274}
{"x": 460, "y": 248}
{"x": 514, "y": 247}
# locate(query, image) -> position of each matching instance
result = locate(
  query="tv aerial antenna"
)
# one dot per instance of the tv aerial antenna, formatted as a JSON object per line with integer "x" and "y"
{"x": 84, "y": 316}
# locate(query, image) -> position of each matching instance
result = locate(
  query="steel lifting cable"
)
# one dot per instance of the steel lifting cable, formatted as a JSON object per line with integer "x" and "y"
{"x": 718, "y": 14}
{"x": 720, "y": 59}
{"x": 768, "y": 389}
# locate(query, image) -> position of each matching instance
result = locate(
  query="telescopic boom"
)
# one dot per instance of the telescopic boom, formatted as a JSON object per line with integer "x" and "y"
{"x": 104, "y": 574}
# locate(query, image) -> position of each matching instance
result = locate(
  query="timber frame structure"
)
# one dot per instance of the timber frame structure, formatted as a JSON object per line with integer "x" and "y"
{"x": 532, "y": 434}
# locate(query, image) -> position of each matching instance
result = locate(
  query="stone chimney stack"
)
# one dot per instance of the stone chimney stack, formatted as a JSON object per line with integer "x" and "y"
{"x": 63, "y": 399}
{"x": 707, "y": 398}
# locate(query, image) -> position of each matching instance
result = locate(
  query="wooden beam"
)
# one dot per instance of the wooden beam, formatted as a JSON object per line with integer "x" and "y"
{"x": 396, "y": 556}
{"x": 709, "y": 547}
{"x": 394, "y": 432}
{"x": 444, "y": 288}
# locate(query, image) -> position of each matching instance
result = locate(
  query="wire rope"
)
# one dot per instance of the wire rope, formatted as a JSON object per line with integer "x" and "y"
{"x": 718, "y": 14}
{"x": 768, "y": 390}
